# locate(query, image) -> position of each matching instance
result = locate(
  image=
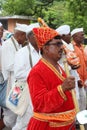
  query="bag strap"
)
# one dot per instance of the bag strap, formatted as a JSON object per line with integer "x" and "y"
{"x": 14, "y": 43}
{"x": 30, "y": 58}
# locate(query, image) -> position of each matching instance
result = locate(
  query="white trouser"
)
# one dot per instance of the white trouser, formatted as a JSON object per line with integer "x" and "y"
{"x": 9, "y": 118}
{"x": 22, "y": 121}
{"x": 82, "y": 99}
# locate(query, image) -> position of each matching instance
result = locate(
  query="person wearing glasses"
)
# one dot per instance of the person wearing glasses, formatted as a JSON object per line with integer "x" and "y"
{"x": 53, "y": 106}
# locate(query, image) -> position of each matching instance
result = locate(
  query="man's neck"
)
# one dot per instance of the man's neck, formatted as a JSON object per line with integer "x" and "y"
{"x": 79, "y": 44}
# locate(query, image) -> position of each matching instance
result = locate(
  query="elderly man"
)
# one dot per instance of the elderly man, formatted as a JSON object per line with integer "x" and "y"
{"x": 52, "y": 101}
{"x": 77, "y": 41}
{"x": 9, "y": 49}
{"x": 22, "y": 68}
{"x": 1, "y": 35}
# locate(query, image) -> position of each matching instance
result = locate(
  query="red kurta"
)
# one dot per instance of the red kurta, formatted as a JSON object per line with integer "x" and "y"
{"x": 43, "y": 82}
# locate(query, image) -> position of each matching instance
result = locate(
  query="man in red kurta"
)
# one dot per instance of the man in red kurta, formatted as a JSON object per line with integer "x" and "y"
{"x": 52, "y": 101}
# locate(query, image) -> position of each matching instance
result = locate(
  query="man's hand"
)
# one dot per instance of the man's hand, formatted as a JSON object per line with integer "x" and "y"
{"x": 80, "y": 83}
{"x": 85, "y": 84}
{"x": 68, "y": 84}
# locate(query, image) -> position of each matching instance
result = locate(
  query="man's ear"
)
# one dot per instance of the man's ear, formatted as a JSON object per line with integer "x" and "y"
{"x": 45, "y": 49}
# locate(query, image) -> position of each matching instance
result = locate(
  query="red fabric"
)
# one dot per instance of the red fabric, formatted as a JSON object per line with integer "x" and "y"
{"x": 43, "y": 35}
{"x": 45, "y": 97}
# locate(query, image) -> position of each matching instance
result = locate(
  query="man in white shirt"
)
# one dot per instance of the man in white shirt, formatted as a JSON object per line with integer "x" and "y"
{"x": 22, "y": 68}
{"x": 64, "y": 31}
{"x": 1, "y": 42}
{"x": 9, "y": 49}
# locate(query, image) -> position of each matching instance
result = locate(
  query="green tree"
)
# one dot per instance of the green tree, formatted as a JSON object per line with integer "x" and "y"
{"x": 77, "y": 13}
{"x": 25, "y": 7}
{"x": 52, "y": 11}
{"x": 54, "y": 16}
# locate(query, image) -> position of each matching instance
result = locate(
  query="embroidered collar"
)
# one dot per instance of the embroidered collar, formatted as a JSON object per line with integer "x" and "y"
{"x": 59, "y": 75}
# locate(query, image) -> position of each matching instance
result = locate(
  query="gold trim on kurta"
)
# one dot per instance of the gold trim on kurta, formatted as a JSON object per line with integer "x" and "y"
{"x": 63, "y": 116}
{"x": 57, "y": 124}
{"x": 61, "y": 124}
{"x": 59, "y": 75}
{"x": 59, "y": 88}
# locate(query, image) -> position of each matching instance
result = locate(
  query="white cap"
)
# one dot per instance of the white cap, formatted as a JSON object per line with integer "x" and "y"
{"x": 64, "y": 29}
{"x": 82, "y": 117}
{"x": 31, "y": 26}
{"x": 21, "y": 27}
{"x": 76, "y": 30}
{"x": 1, "y": 24}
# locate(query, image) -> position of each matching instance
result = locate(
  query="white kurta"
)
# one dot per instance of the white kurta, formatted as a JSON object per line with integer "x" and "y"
{"x": 22, "y": 63}
{"x": 22, "y": 68}
{"x": 8, "y": 54}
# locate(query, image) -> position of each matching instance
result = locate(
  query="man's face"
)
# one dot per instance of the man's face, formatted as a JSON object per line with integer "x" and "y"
{"x": 79, "y": 37}
{"x": 54, "y": 49}
{"x": 67, "y": 38}
{"x": 32, "y": 40}
{"x": 22, "y": 37}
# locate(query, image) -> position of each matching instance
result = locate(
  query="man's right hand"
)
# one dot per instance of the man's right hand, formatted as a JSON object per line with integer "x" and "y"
{"x": 68, "y": 84}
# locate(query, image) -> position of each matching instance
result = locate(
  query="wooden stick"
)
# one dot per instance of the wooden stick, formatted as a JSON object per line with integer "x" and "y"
{"x": 73, "y": 93}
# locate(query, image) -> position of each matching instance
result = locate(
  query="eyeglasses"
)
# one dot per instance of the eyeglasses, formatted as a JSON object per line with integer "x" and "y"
{"x": 59, "y": 44}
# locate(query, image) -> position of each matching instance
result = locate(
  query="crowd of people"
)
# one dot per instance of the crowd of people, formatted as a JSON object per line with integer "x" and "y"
{"x": 41, "y": 64}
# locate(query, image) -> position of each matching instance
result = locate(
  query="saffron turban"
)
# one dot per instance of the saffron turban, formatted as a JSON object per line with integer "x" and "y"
{"x": 43, "y": 35}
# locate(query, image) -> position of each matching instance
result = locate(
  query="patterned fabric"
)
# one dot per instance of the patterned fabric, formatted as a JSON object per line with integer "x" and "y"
{"x": 43, "y": 35}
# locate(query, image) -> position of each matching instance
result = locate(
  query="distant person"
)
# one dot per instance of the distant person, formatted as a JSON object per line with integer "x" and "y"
{"x": 9, "y": 49}
{"x": 22, "y": 68}
{"x": 64, "y": 31}
{"x": 77, "y": 41}
{"x": 1, "y": 42}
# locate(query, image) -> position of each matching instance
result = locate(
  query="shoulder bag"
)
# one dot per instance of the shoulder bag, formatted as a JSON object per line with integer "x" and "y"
{"x": 18, "y": 98}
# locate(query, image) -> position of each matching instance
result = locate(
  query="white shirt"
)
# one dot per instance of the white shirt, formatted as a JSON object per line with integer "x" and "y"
{"x": 71, "y": 71}
{"x": 22, "y": 63}
{"x": 7, "y": 58}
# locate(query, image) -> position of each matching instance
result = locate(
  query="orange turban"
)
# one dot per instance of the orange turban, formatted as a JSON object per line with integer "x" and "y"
{"x": 43, "y": 35}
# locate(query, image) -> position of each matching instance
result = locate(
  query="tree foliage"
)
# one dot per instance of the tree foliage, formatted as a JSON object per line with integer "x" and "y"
{"x": 54, "y": 12}
{"x": 25, "y": 7}
{"x": 77, "y": 13}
